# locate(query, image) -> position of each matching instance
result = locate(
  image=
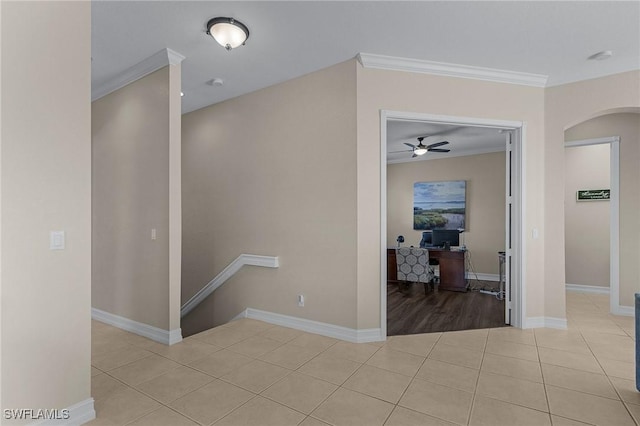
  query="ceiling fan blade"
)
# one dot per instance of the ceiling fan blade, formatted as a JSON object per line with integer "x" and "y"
{"x": 408, "y": 144}
{"x": 414, "y": 155}
{"x": 433, "y": 145}
{"x": 438, "y": 150}
{"x": 406, "y": 150}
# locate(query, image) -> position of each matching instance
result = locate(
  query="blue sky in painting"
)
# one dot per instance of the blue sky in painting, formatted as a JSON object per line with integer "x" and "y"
{"x": 439, "y": 192}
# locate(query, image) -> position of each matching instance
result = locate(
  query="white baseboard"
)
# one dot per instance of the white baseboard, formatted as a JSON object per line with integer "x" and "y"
{"x": 316, "y": 327}
{"x": 483, "y": 277}
{"x": 590, "y": 289}
{"x": 80, "y": 413}
{"x": 167, "y": 337}
{"x": 627, "y": 311}
{"x": 545, "y": 322}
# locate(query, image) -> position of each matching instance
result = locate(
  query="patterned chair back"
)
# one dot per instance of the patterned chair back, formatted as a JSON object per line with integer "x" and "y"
{"x": 413, "y": 265}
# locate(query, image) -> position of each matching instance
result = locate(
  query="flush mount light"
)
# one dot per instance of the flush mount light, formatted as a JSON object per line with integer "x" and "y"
{"x": 228, "y": 32}
{"x": 217, "y": 82}
{"x": 601, "y": 56}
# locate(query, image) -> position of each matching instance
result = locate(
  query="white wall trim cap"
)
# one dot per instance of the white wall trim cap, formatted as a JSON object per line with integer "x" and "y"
{"x": 167, "y": 337}
{"x": 153, "y": 63}
{"x": 545, "y": 322}
{"x": 316, "y": 327}
{"x": 451, "y": 70}
{"x": 589, "y": 289}
{"x": 225, "y": 274}
{"x": 79, "y": 413}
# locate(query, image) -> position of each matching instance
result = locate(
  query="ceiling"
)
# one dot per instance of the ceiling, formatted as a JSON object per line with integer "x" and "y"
{"x": 292, "y": 38}
{"x": 463, "y": 140}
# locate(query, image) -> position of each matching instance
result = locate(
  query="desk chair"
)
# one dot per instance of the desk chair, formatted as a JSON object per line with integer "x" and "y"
{"x": 425, "y": 243}
{"x": 413, "y": 266}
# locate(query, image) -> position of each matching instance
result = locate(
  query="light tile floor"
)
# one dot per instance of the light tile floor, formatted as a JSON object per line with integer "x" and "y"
{"x": 253, "y": 373}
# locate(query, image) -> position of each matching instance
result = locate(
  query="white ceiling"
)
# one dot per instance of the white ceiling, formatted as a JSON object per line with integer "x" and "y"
{"x": 463, "y": 140}
{"x": 292, "y": 38}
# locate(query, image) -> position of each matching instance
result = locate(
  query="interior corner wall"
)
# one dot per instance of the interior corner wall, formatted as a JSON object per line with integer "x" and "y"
{"x": 134, "y": 192}
{"x": 627, "y": 127}
{"x": 45, "y": 186}
{"x": 272, "y": 173}
{"x": 422, "y": 93}
{"x": 485, "y": 202}
{"x": 587, "y": 230}
{"x": 566, "y": 106}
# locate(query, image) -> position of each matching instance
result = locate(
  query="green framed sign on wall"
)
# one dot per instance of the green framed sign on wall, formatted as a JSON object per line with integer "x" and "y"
{"x": 593, "y": 194}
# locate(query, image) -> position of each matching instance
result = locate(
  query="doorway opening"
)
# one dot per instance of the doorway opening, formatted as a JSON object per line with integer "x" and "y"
{"x": 510, "y": 138}
{"x": 590, "y": 148}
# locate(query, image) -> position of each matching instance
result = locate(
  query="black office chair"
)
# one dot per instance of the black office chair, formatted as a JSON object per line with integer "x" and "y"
{"x": 426, "y": 243}
{"x": 426, "y": 240}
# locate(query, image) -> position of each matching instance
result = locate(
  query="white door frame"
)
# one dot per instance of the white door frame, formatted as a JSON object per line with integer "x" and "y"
{"x": 518, "y": 296}
{"x": 614, "y": 219}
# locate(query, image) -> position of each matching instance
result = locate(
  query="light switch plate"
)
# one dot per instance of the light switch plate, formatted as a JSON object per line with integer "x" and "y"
{"x": 56, "y": 240}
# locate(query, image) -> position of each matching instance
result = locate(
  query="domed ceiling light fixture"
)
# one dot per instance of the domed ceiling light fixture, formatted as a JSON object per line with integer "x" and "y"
{"x": 601, "y": 56}
{"x": 228, "y": 32}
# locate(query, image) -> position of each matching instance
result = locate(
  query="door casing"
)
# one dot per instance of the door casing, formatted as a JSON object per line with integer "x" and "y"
{"x": 516, "y": 272}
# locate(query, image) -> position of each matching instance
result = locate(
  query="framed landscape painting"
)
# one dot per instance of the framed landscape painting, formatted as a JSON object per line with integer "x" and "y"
{"x": 439, "y": 205}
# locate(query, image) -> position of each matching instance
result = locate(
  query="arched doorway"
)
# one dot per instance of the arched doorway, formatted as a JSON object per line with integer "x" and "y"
{"x": 619, "y": 133}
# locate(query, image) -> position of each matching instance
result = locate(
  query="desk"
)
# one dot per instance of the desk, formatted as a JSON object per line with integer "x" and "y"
{"x": 452, "y": 273}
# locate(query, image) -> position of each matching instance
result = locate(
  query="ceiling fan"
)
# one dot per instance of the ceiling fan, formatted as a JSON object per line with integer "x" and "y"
{"x": 421, "y": 149}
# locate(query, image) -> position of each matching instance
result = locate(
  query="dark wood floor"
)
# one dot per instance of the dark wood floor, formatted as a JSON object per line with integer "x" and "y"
{"x": 413, "y": 312}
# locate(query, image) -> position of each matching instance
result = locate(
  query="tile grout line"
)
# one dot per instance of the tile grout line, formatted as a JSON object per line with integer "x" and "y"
{"x": 426, "y": 357}
{"x": 158, "y": 401}
{"x": 413, "y": 378}
{"x": 475, "y": 389}
{"x": 166, "y": 372}
{"x": 609, "y": 378}
{"x": 544, "y": 384}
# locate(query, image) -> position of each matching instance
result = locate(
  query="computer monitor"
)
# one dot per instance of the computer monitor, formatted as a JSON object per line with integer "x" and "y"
{"x": 440, "y": 237}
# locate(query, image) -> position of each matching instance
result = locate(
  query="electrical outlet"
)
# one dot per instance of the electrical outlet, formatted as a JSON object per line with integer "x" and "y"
{"x": 300, "y": 300}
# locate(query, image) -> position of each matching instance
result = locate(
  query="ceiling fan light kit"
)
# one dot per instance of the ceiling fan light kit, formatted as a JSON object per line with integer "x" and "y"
{"x": 228, "y": 32}
{"x": 421, "y": 149}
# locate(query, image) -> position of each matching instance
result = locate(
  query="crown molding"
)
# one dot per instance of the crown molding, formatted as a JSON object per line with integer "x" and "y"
{"x": 451, "y": 70}
{"x": 153, "y": 63}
